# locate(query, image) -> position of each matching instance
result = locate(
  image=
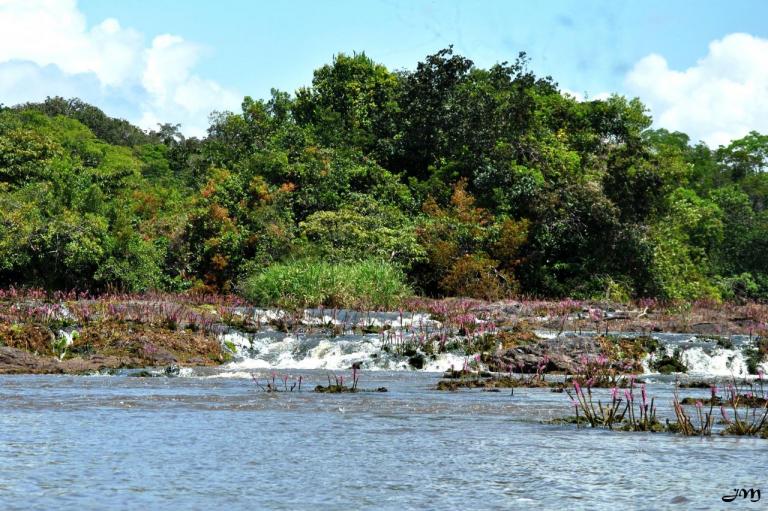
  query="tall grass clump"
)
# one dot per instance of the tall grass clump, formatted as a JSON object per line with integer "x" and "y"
{"x": 368, "y": 284}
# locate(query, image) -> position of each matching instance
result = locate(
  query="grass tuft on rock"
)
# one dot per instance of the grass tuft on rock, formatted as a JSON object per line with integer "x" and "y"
{"x": 294, "y": 285}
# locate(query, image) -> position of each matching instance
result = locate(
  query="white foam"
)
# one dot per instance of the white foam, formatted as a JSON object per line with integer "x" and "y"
{"x": 720, "y": 362}
{"x": 68, "y": 335}
{"x": 229, "y": 374}
{"x": 186, "y": 372}
{"x": 274, "y": 350}
{"x": 446, "y": 361}
{"x": 702, "y": 361}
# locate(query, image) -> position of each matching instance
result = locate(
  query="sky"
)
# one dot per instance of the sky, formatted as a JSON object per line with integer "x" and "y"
{"x": 700, "y": 66}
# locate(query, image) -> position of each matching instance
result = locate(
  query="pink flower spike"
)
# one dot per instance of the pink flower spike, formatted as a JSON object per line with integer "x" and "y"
{"x": 628, "y": 395}
{"x": 699, "y": 404}
{"x": 577, "y": 387}
{"x": 614, "y": 393}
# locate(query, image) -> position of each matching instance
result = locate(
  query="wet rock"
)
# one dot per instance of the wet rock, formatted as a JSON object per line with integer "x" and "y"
{"x": 563, "y": 355}
{"x": 417, "y": 360}
{"x": 162, "y": 357}
{"x": 94, "y": 363}
{"x": 17, "y": 361}
{"x": 144, "y": 374}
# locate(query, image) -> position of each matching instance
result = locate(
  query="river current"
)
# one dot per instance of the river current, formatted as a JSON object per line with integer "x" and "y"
{"x": 211, "y": 439}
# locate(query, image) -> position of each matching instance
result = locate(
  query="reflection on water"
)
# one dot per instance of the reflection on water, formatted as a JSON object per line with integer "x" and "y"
{"x": 205, "y": 442}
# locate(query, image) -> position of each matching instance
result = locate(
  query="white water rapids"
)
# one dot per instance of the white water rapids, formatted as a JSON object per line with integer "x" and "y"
{"x": 270, "y": 349}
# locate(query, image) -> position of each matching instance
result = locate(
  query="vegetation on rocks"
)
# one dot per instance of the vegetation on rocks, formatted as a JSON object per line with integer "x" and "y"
{"x": 74, "y": 333}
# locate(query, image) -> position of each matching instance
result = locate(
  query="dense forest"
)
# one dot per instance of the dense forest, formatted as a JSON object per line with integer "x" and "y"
{"x": 456, "y": 180}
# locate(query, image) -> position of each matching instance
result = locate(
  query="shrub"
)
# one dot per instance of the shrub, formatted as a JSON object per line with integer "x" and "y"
{"x": 740, "y": 287}
{"x": 368, "y": 284}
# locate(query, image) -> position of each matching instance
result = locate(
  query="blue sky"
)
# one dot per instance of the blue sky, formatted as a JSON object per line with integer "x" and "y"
{"x": 585, "y": 46}
{"x": 226, "y": 49}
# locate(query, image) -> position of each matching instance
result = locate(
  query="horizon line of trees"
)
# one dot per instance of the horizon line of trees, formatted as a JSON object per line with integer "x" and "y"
{"x": 471, "y": 182}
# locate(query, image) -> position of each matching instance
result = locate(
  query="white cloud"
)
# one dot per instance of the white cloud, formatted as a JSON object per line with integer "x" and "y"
{"x": 721, "y": 98}
{"x": 47, "y": 48}
{"x": 579, "y": 96}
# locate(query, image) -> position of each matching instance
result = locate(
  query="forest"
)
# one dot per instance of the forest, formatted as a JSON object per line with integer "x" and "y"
{"x": 368, "y": 184}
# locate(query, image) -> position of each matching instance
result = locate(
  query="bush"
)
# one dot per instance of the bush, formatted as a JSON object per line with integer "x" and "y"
{"x": 368, "y": 284}
{"x": 740, "y": 287}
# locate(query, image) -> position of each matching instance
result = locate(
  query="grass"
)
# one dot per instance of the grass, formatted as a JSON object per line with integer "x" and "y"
{"x": 364, "y": 285}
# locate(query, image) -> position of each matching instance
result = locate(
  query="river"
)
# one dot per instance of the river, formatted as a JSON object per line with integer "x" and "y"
{"x": 210, "y": 439}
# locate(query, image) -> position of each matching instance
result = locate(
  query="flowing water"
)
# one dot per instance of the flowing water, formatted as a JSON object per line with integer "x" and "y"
{"x": 211, "y": 439}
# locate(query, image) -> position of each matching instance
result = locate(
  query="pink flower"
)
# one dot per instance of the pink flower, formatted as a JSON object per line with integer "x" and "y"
{"x": 642, "y": 392}
{"x": 713, "y": 390}
{"x": 577, "y": 387}
{"x": 628, "y": 395}
{"x": 699, "y": 404}
{"x": 614, "y": 393}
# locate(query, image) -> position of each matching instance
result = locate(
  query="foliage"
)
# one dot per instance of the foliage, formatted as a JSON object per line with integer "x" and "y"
{"x": 362, "y": 230}
{"x": 368, "y": 284}
{"x": 481, "y": 182}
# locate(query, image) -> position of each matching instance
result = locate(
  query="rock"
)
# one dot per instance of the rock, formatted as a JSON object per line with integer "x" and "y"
{"x": 417, "y": 361}
{"x": 16, "y": 361}
{"x": 144, "y": 374}
{"x": 563, "y": 355}
{"x": 162, "y": 357}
